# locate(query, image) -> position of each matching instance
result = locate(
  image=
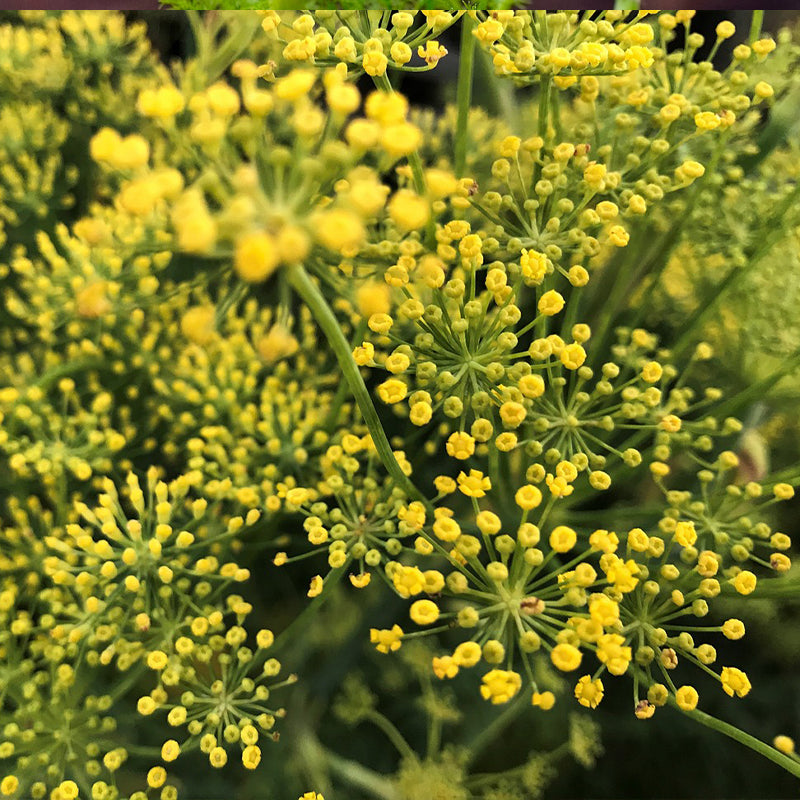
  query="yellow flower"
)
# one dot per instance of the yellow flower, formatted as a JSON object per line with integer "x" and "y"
{"x": 392, "y": 391}
{"x": 170, "y": 750}
{"x": 725, "y": 29}
{"x": 573, "y": 356}
{"x": 444, "y": 667}
{"x": 745, "y": 582}
{"x": 687, "y": 698}
{"x": 589, "y": 693}
{"x": 460, "y": 445}
{"x": 618, "y": 236}
{"x": 446, "y": 529}
{"x": 534, "y": 265}
{"x": 707, "y": 121}
{"x": 500, "y": 685}
{"x": 256, "y": 257}
{"x": 467, "y": 654}
{"x": 364, "y": 353}
{"x": 685, "y": 534}
{"x": 361, "y": 580}
{"x": 67, "y": 790}
{"x": 734, "y": 681}
{"x": 408, "y": 210}
{"x": 157, "y": 659}
{"x": 432, "y": 52}
{"x": 374, "y": 63}
{"x": 218, "y": 758}
{"x": 733, "y": 629}
{"x": 162, "y": 103}
{"x": 424, "y": 612}
{"x": 408, "y": 581}
{"x": 386, "y": 640}
{"x": 251, "y": 756}
{"x": 612, "y": 651}
{"x": 652, "y": 372}
{"x": 566, "y": 657}
{"x": 295, "y": 85}
{"x": 528, "y": 497}
{"x": 604, "y": 610}
{"x": 513, "y": 414}
{"x": 543, "y": 700}
{"x": 340, "y": 230}
{"x": 563, "y": 539}
{"x": 531, "y": 386}
{"x": 476, "y": 484}
{"x": 550, "y": 303}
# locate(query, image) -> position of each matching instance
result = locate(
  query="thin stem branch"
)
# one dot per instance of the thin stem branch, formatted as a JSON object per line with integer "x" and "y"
{"x": 789, "y": 764}
{"x": 325, "y": 318}
{"x": 310, "y": 612}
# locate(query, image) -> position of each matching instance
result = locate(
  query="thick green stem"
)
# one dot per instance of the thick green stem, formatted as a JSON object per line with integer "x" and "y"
{"x": 544, "y": 105}
{"x": 789, "y": 764}
{"x": 242, "y": 28}
{"x": 757, "y": 390}
{"x": 755, "y": 25}
{"x": 351, "y": 772}
{"x": 464, "y": 93}
{"x": 327, "y": 321}
{"x": 769, "y": 589}
{"x": 360, "y": 777}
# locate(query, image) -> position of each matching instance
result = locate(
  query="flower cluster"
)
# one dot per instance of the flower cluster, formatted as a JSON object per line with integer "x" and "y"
{"x": 218, "y": 703}
{"x": 142, "y": 573}
{"x": 279, "y": 351}
{"x": 515, "y": 588}
{"x": 367, "y": 41}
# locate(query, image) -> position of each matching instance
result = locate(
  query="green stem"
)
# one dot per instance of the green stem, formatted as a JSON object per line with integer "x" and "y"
{"x": 310, "y": 611}
{"x": 360, "y": 777}
{"x": 327, "y": 321}
{"x": 757, "y": 390}
{"x": 769, "y": 589}
{"x": 392, "y": 734}
{"x": 243, "y": 29}
{"x": 755, "y": 25}
{"x": 544, "y": 103}
{"x": 791, "y": 766}
{"x": 341, "y": 391}
{"x": 490, "y": 733}
{"x": 464, "y": 92}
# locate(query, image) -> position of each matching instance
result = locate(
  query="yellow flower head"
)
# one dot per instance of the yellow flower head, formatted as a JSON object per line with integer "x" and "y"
{"x": 476, "y": 484}
{"x": 589, "y": 692}
{"x": 500, "y": 685}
